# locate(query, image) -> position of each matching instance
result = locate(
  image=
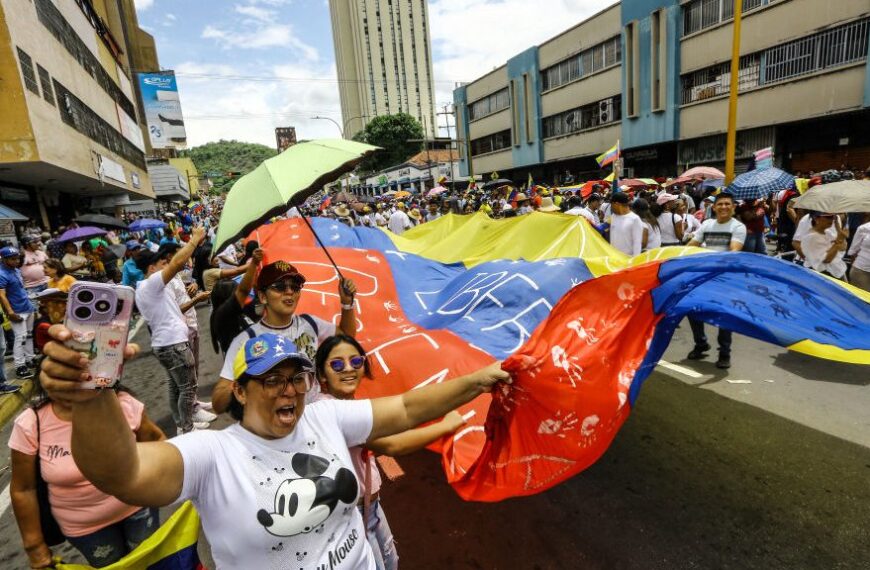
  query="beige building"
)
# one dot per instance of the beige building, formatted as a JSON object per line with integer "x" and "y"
{"x": 70, "y": 140}
{"x": 384, "y": 61}
{"x": 655, "y": 75}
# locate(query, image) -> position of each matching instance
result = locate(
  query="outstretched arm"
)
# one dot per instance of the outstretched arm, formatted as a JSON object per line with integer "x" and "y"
{"x": 418, "y": 438}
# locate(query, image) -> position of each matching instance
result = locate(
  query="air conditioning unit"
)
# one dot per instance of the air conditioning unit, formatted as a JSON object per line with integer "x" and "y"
{"x": 605, "y": 111}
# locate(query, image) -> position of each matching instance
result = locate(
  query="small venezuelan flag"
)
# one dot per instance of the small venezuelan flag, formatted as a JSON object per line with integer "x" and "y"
{"x": 608, "y": 156}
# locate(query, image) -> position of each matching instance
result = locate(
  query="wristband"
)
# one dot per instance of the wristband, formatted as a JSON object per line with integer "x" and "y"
{"x": 347, "y": 307}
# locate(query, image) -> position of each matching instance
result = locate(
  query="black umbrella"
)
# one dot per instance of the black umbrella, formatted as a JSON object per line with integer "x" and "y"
{"x": 496, "y": 183}
{"x": 101, "y": 220}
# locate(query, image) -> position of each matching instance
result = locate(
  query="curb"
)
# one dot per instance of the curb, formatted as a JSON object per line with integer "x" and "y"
{"x": 11, "y": 404}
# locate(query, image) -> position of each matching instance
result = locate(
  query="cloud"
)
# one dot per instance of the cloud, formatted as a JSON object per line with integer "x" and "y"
{"x": 142, "y": 5}
{"x": 260, "y": 31}
{"x": 255, "y": 12}
{"x": 222, "y": 101}
{"x": 472, "y": 37}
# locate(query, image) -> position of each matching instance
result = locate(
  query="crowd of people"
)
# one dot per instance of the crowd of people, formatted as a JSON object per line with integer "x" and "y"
{"x": 289, "y": 379}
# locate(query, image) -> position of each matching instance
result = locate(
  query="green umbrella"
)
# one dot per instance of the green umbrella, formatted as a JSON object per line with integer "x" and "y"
{"x": 285, "y": 180}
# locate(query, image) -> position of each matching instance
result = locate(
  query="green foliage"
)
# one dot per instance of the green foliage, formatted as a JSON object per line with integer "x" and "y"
{"x": 224, "y": 157}
{"x": 392, "y": 133}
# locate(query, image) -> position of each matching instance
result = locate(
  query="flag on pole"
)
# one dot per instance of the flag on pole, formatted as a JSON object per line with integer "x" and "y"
{"x": 608, "y": 156}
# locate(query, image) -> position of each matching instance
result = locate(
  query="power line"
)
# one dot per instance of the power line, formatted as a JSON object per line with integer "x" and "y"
{"x": 278, "y": 78}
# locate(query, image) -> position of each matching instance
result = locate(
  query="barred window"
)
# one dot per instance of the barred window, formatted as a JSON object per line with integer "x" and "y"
{"x": 27, "y": 71}
{"x": 596, "y": 58}
{"x": 702, "y": 14}
{"x": 832, "y": 48}
{"x": 490, "y": 104}
{"x": 491, "y": 143}
{"x": 45, "y": 82}
{"x": 83, "y": 119}
{"x": 590, "y": 116}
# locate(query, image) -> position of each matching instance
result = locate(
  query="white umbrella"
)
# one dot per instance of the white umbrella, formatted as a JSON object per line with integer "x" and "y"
{"x": 435, "y": 191}
{"x": 837, "y": 197}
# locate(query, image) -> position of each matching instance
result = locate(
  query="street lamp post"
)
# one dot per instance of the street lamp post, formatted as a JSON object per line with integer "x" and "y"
{"x": 333, "y": 121}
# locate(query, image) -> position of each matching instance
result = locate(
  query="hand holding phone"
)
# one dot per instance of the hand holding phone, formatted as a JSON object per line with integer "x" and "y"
{"x": 98, "y": 318}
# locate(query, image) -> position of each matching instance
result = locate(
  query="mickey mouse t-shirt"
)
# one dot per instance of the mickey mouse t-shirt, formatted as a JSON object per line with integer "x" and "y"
{"x": 284, "y": 503}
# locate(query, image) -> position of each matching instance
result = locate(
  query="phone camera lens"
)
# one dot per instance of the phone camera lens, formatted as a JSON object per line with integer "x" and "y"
{"x": 83, "y": 313}
{"x": 85, "y": 296}
{"x": 102, "y": 306}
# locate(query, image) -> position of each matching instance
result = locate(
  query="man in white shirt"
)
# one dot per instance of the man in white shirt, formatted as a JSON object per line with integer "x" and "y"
{"x": 575, "y": 208}
{"x": 169, "y": 331}
{"x": 860, "y": 251}
{"x": 399, "y": 220}
{"x": 722, "y": 233}
{"x": 626, "y": 228}
{"x": 279, "y": 286}
{"x": 228, "y": 258}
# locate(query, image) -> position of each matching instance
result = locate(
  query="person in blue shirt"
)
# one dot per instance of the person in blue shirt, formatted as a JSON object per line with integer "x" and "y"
{"x": 130, "y": 274}
{"x": 19, "y": 309}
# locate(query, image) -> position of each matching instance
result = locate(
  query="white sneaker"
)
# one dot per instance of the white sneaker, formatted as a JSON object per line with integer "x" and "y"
{"x": 202, "y": 416}
{"x": 196, "y": 427}
{"x": 204, "y": 406}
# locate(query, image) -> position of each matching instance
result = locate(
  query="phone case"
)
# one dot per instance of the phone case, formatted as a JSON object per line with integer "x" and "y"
{"x": 98, "y": 315}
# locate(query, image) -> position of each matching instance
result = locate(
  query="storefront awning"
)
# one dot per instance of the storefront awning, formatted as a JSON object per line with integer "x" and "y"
{"x": 7, "y": 213}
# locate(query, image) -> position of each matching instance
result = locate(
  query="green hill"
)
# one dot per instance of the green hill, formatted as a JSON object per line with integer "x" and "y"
{"x": 219, "y": 159}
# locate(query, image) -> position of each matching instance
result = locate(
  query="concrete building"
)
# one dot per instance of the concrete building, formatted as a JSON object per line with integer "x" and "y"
{"x": 70, "y": 141}
{"x": 384, "y": 61}
{"x": 654, "y": 74}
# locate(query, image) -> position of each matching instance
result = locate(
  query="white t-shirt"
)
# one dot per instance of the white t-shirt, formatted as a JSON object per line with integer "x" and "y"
{"x": 284, "y": 503}
{"x": 718, "y": 237}
{"x": 179, "y": 293}
{"x": 626, "y": 233}
{"x": 584, "y": 212}
{"x": 157, "y": 305}
{"x": 667, "y": 220}
{"x": 816, "y": 246}
{"x": 861, "y": 248}
{"x": 399, "y": 222}
{"x": 653, "y": 236}
{"x": 299, "y": 331}
{"x": 228, "y": 253}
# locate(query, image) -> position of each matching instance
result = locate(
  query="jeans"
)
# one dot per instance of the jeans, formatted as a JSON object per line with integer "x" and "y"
{"x": 22, "y": 347}
{"x": 755, "y": 243}
{"x": 380, "y": 537}
{"x": 724, "y": 338}
{"x": 2, "y": 355}
{"x": 193, "y": 340}
{"x": 177, "y": 359}
{"x": 112, "y": 543}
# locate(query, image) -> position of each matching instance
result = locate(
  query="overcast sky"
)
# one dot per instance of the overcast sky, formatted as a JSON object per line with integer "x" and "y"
{"x": 247, "y": 66}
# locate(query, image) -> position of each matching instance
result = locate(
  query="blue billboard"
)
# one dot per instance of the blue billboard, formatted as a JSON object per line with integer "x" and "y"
{"x": 162, "y": 109}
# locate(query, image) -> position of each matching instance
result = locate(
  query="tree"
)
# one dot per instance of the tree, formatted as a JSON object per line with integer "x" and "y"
{"x": 224, "y": 162}
{"x": 390, "y": 132}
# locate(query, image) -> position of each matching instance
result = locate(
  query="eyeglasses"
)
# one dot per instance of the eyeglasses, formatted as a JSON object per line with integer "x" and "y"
{"x": 339, "y": 364}
{"x": 276, "y": 384}
{"x": 294, "y": 285}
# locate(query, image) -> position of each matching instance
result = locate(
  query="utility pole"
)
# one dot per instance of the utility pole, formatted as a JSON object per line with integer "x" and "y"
{"x": 448, "y": 114}
{"x": 731, "y": 142}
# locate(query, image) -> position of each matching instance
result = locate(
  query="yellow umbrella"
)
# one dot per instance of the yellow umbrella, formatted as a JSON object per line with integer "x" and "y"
{"x": 402, "y": 194}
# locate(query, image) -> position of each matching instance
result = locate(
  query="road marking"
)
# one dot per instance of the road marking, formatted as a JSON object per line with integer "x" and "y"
{"x": 681, "y": 369}
{"x": 730, "y": 381}
{"x": 4, "y": 496}
{"x": 4, "y": 501}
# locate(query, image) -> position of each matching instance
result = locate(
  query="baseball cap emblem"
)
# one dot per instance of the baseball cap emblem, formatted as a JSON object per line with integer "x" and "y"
{"x": 283, "y": 266}
{"x": 259, "y": 348}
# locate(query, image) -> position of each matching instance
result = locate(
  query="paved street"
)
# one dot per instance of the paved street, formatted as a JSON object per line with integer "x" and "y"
{"x": 706, "y": 473}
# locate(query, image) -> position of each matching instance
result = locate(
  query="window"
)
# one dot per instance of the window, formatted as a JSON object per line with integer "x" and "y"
{"x": 632, "y": 73}
{"x": 27, "y": 71}
{"x": 596, "y": 58}
{"x": 838, "y": 46}
{"x": 515, "y": 108}
{"x": 83, "y": 119}
{"x": 604, "y": 112}
{"x": 45, "y": 81}
{"x": 702, "y": 14}
{"x": 528, "y": 100}
{"x": 490, "y": 104}
{"x": 658, "y": 30}
{"x": 54, "y": 21}
{"x": 491, "y": 143}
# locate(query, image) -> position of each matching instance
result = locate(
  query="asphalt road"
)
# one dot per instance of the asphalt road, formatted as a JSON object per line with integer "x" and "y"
{"x": 770, "y": 471}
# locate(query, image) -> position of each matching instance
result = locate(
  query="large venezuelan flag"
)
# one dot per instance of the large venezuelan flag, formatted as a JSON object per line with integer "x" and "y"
{"x": 580, "y": 325}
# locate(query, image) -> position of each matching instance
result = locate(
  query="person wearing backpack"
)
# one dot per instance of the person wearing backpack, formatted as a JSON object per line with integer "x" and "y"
{"x": 278, "y": 288}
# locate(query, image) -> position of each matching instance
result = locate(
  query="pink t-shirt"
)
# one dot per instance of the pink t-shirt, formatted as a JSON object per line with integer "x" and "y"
{"x": 359, "y": 464}
{"x": 31, "y": 268}
{"x": 78, "y": 506}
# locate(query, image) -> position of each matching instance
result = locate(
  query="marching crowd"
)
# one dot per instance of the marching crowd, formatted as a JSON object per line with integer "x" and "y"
{"x": 290, "y": 379}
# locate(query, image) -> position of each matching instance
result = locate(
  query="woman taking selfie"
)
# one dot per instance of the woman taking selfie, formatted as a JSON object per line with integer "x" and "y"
{"x": 100, "y": 526}
{"x": 278, "y": 488}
